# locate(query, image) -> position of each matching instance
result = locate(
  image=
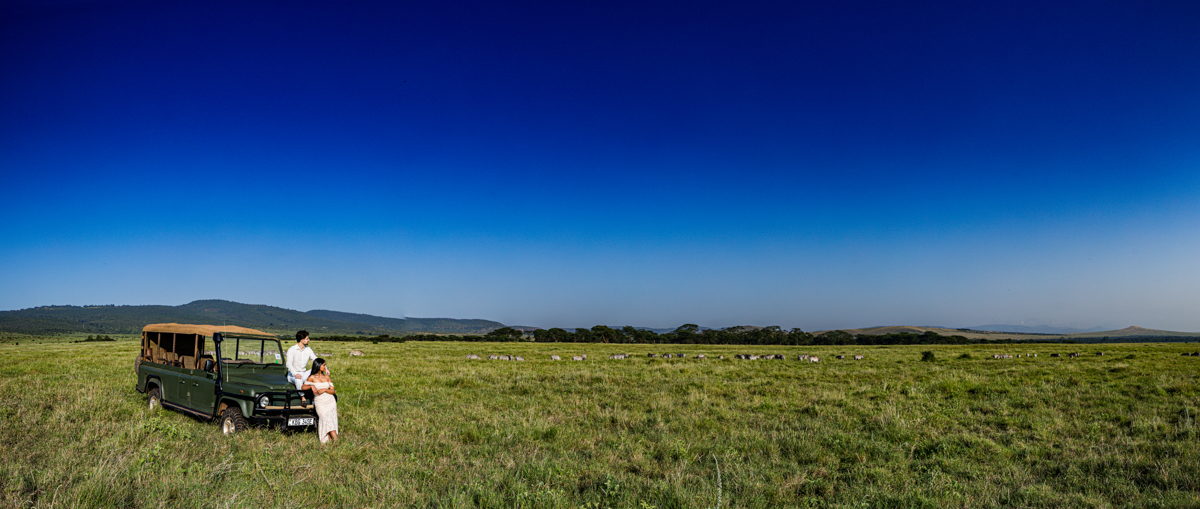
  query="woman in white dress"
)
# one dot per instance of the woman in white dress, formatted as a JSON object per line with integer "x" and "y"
{"x": 322, "y": 387}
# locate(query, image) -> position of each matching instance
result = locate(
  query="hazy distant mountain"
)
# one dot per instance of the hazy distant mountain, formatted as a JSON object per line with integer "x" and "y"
{"x": 443, "y": 325}
{"x": 131, "y": 319}
{"x": 374, "y": 321}
{"x": 1035, "y": 329}
{"x": 451, "y": 325}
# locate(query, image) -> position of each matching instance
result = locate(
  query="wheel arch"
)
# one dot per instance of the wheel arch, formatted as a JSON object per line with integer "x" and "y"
{"x": 227, "y": 402}
{"x": 154, "y": 382}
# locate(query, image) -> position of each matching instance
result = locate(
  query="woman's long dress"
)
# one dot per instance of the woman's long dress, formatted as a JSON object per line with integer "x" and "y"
{"x": 326, "y": 410}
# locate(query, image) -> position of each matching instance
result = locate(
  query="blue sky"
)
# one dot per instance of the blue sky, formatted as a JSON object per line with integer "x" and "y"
{"x": 562, "y": 164}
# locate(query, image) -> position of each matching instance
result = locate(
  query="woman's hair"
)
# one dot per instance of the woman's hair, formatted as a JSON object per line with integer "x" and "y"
{"x": 316, "y": 366}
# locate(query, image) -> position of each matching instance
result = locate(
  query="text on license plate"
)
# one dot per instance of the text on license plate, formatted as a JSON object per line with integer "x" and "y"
{"x": 300, "y": 421}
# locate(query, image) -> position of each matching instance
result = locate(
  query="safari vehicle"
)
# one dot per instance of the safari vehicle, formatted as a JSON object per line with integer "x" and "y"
{"x": 234, "y": 375}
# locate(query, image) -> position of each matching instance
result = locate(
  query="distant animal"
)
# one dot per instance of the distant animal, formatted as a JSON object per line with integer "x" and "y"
{"x": 650, "y": 355}
{"x": 1195, "y": 354}
{"x": 555, "y": 358}
{"x": 681, "y": 355}
{"x": 356, "y": 353}
{"x": 814, "y": 359}
{"x": 699, "y": 356}
{"x": 576, "y": 357}
{"x": 753, "y": 357}
{"x": 1099, "y": 353}
{"x": 1055, "y": 355}
{"x": 720, "y": 357}
{"x": 473, "y": 356}
{"x": 493, "y": 357}
{"x": 840, "y": 357}
{"x": 518, "y": 358}
{"x": 858, "y": 357}
{"x": 802, "y": 358}
{"x": 506, "y": 357}
{"x": 617, "y": 356}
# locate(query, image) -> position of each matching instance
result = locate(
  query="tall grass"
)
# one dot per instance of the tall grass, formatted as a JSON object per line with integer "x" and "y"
{"x": 424, "y": 427}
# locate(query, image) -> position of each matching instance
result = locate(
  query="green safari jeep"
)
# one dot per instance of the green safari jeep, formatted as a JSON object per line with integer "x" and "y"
{"x": 230, "y": 374}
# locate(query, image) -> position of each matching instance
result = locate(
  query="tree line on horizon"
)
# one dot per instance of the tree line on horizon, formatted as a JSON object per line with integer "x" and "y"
{"x": 690, "y": 334}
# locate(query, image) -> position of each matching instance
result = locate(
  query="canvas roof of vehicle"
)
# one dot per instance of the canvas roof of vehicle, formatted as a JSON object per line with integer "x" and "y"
{"x": 204, "y": 330}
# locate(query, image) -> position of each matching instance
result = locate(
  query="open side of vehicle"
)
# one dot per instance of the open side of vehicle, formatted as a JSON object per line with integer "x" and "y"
{"x": 231, "y": 374}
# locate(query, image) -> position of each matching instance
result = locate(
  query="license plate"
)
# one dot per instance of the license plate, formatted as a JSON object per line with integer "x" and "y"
{"x": 300, "y": 421}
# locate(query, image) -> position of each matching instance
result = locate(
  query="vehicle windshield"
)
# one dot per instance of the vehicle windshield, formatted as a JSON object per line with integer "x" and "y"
{"x": 253, "y": 351}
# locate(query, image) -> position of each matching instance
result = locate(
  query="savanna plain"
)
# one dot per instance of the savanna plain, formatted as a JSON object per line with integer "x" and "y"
{"x": 422, "y": 426}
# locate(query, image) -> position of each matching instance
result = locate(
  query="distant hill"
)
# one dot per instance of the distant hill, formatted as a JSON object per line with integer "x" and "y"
{"x": 131, "y": 319}
{"x": 1129, "y": 333}
{"x": 1035, "y": 329}
{"x": 370, "y": 320}
{"x": 451, "y": 325}
{"x": 1134, "y": 331}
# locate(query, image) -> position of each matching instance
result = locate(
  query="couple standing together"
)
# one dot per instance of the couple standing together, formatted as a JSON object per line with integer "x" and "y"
{"x": 316, "y": 380}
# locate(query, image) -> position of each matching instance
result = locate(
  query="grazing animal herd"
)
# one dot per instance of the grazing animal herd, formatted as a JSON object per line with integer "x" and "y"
{"x": 780, "y": 357}
{"x": 801, "y": 358}
{"x": 622, "y": 356}
{"x": 752, "y": 357}
{"x": 498, "y": 357}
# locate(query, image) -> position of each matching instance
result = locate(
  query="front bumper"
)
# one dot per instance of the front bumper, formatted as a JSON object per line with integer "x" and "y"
{"x": 284, "y": 405}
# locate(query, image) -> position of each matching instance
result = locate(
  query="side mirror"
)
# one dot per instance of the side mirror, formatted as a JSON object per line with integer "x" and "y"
{"x": 209, "y": 365}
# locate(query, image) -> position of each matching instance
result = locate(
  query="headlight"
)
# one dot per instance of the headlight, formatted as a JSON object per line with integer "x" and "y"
{"x": 264, "y": 401}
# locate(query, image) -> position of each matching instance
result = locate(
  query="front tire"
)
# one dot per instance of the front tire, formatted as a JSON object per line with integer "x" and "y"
{"x": 154, "y": 400}
{"x": 233, "y": 422}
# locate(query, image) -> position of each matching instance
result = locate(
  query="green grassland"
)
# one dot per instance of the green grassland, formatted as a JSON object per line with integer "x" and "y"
{"x": 424, "y": 427}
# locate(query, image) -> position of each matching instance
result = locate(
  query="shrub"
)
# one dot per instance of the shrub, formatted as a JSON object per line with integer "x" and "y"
{"x": 927, "y": 356}
{"x": 963, "y": 356}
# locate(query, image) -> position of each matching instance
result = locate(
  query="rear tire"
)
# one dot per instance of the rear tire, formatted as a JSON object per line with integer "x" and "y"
{"x": 233, "y": 422}
{"x": 154, "y": 400}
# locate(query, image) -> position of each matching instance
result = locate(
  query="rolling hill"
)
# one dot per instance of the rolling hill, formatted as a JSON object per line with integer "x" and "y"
{"x": 1132, "y": 333}
{"x": 131, "y": 319}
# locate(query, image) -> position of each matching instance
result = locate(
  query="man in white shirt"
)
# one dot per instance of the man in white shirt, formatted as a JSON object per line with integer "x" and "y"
{"x": 297, "y": 359}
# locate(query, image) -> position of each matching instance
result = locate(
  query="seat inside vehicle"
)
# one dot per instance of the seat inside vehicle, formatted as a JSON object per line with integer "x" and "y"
{"x": 173, "y": 349}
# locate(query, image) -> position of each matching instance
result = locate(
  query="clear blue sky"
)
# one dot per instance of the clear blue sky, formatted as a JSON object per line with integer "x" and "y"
{"x": 803, "y": 164}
